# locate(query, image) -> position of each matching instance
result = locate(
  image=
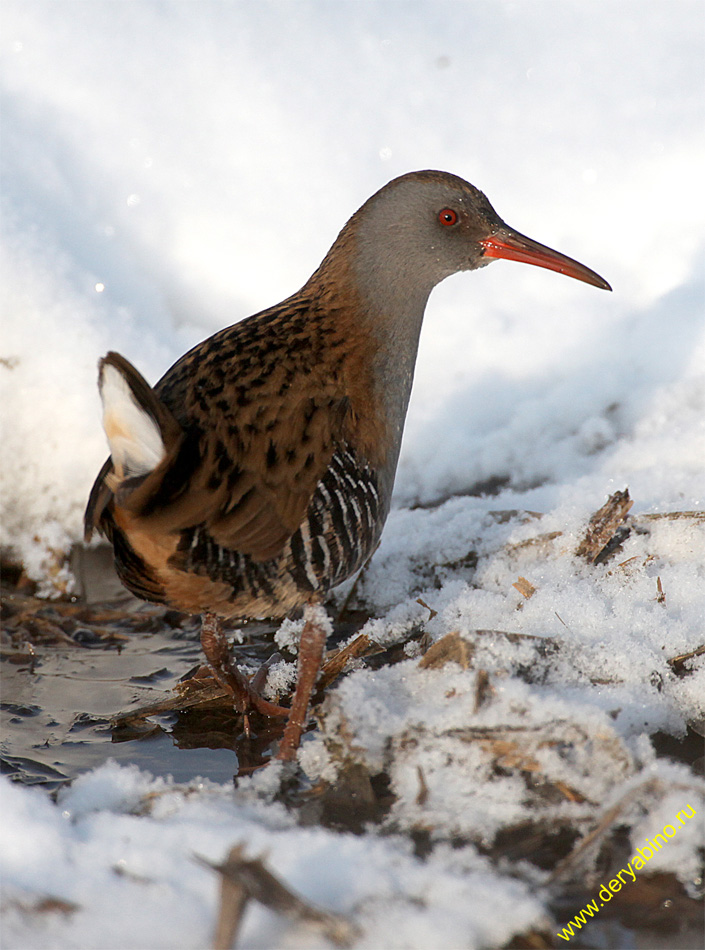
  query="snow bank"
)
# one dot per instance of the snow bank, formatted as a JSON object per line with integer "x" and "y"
{"x": 170, "y": 168}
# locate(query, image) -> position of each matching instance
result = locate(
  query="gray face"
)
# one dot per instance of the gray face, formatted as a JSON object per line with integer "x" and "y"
{"x": 425, "y": 226}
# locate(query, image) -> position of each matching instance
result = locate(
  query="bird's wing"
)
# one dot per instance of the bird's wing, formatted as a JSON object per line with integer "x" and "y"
{"x": 260, "y": 469}
{"x": 247, "y": 437}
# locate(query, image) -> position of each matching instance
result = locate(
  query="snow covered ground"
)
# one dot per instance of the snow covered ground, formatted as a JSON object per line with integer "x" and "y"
{"x": 169, "y": 168}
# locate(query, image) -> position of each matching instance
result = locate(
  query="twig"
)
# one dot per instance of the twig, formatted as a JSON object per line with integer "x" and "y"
{"x": 249, "y": 879}
{"x": 431, "y": 612}
{"x": 603, "y": 526}
{"x": 361, "y": 646}
{"x": 233, "y": 903}
{"x": 607, "y": 820}
{"x": 676, "y": 662}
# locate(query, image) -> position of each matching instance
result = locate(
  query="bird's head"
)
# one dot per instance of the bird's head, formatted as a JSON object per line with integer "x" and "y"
{"x": 427, "y": 225}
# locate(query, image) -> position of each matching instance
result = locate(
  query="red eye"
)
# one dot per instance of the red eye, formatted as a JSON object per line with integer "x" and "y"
{"x": 448, "y": 217}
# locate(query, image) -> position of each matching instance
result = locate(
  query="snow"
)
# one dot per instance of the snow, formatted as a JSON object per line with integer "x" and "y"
{"x": 103, "y": 827}
{"x": 169, "y": 168}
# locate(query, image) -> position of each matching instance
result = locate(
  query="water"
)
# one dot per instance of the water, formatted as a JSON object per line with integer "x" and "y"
{"x": 70, "y": 672}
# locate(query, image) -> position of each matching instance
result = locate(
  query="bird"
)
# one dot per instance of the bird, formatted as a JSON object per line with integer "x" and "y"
{"x": 257, "y": 474}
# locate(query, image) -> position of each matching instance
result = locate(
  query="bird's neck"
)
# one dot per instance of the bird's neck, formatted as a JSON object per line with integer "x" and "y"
{"x": 376, "y": 310}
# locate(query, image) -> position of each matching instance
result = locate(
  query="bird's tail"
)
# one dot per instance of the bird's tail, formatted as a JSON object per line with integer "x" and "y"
{"x": 131, "y": 418}
{"x": 141, "y": 432}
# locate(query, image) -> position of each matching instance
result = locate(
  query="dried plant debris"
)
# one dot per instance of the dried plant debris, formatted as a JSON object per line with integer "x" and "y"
{"x": 679, "y": 663}
{"x": 527, "y": 661}
{"x": 200, "y": 688}
{"x": 525, "y": 588}
{"x": 484, "y": 691}
{"x": 697, "y": 517}
{"x": 337, "y": 660}
{"x": 29, "y": 621}
{"x": 571, "y": 863}
{"x": 245, "y": 879}
{"x": 356, "y": 800}
{"x": 431, "y": 612}
{"x": 450, "y": 648}
{"x": 437, "y": 732}
{"x": 531, "y": 940}
{"x": 616, "y": 524}
{"x": 526, "y": 766}
{"x": 42, "y": 906}
{"x": 606, "y": 530}
{"x": 539, "y": 546}
{"x": 201, "y": 714}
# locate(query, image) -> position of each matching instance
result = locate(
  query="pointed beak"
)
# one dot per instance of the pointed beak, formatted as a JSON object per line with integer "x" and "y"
{"x": 512, "y": 246}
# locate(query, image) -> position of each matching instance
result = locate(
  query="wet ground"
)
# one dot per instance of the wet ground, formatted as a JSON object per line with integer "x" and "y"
{"x": 103, "y": 676}
{"x": 74, "y": 671}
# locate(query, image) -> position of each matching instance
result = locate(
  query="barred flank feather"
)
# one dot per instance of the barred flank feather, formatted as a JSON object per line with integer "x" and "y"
{"x": 340, "y": 529}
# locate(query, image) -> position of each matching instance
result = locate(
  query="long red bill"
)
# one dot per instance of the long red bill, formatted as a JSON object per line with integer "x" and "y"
{"x": 512, "y": 246}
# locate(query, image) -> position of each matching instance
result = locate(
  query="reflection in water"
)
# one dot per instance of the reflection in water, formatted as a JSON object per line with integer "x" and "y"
{"x": 74, "y": 675}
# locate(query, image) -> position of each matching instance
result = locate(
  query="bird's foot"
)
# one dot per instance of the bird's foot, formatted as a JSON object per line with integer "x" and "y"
{"x": 317, "y": 627}
{"x": 246, "y": 693}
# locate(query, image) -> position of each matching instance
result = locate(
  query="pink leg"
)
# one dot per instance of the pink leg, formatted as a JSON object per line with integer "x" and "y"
{"x": 313, "y": 639}
{"x": 215, "y": 647}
